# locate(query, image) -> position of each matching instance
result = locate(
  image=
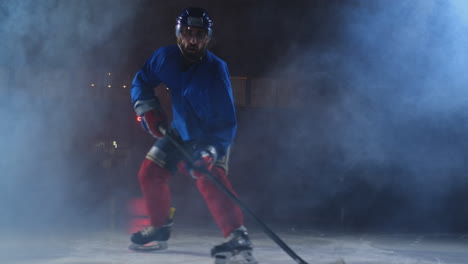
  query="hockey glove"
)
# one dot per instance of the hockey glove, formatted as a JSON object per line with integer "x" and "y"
{"x": 153, "y": 119}
{"x": 155, "y": 123}
{"x": 203, "y": 159}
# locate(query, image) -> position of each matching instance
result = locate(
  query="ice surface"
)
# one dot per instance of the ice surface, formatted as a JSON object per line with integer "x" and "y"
{"x": 192, "y": 245}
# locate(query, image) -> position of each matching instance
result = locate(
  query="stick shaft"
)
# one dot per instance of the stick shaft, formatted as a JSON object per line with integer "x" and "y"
{"x": 239, "y": 203}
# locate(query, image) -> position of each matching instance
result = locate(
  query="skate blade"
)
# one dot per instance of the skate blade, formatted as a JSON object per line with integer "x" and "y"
{"x": 153, "y": 246}
{"x": 242, "y": 257}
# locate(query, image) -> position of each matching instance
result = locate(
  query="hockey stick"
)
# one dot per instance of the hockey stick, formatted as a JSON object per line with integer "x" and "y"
{"x": 236, "y": 200}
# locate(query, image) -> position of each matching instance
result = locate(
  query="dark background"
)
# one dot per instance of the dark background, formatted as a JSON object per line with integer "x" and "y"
{"x": 378, "y": 142}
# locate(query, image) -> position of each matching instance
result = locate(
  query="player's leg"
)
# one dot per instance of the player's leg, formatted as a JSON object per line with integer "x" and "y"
{"x": 226, "y": 213}
{"x": 228, "y": 216}
{"x": 154, "y": 177}
{"x": 154, "y": 183}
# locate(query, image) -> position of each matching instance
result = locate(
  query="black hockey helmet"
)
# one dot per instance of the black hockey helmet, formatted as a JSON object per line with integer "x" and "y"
{"x": 194, "y": 17}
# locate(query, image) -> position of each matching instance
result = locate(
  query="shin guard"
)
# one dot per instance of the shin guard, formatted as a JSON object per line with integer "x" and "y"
{"x": 155, "y": 187}
{"x": 226, "y": 213}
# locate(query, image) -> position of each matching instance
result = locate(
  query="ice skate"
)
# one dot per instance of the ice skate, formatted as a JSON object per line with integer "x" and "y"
{"x": 151, "y": 238}
{"x": 236, "y": 250}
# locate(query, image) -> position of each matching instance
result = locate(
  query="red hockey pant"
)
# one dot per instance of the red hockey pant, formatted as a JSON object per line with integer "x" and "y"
{"x": 154, "y": 182}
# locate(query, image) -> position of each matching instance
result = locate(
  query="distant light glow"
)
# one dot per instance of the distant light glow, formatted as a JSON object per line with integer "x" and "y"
{"x": 92, "y": 85}
{"x": 125, "y": 86}
{"x": 109, "y": 86}
{"x": 115, "y": 144}
{"x": 109, "y": 73}
{"x": 139, "y": 118}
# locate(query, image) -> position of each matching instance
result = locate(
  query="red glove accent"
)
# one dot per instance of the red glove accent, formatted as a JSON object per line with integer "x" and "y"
{"x": 204, "y": 160}
{"x": 154, "y": 122}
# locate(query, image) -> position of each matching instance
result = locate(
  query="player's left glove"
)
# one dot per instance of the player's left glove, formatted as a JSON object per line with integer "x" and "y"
{"x": 203, "y": 158}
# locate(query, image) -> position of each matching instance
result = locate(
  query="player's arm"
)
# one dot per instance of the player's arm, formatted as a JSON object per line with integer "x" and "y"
{"x": 145, "y": 102}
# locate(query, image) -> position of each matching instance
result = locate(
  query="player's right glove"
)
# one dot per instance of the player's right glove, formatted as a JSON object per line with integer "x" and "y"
{"x": 153, "y": 118}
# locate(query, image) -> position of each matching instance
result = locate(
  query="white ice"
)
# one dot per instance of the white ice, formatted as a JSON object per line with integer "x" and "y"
{"x": 192, "y": 245}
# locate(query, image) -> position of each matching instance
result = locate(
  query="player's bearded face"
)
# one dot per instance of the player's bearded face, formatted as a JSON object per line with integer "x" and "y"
{"x": 193, "y": 42}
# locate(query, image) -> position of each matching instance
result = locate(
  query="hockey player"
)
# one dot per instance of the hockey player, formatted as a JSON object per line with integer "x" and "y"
{"x": 204, "y": 123}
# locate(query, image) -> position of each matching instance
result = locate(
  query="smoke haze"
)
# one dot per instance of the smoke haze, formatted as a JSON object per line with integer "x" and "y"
{"x": 48, "y": 54}
{"x": 380, "y": 139}
{"x": 384, "y": 131}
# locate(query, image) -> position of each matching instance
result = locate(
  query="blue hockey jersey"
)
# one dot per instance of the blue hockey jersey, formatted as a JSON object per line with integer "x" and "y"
{"x": 201, "y": 95}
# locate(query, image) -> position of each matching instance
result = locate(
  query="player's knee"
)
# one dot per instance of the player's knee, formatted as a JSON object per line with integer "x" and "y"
{"x": 151, "y": 171}
{"x": 219, "y": 172}
{"x": 204, "y": 183}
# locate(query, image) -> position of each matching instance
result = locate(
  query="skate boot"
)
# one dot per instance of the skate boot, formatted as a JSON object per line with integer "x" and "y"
{"x": 236, "y": 249}
{"x": 152, "y": 238}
